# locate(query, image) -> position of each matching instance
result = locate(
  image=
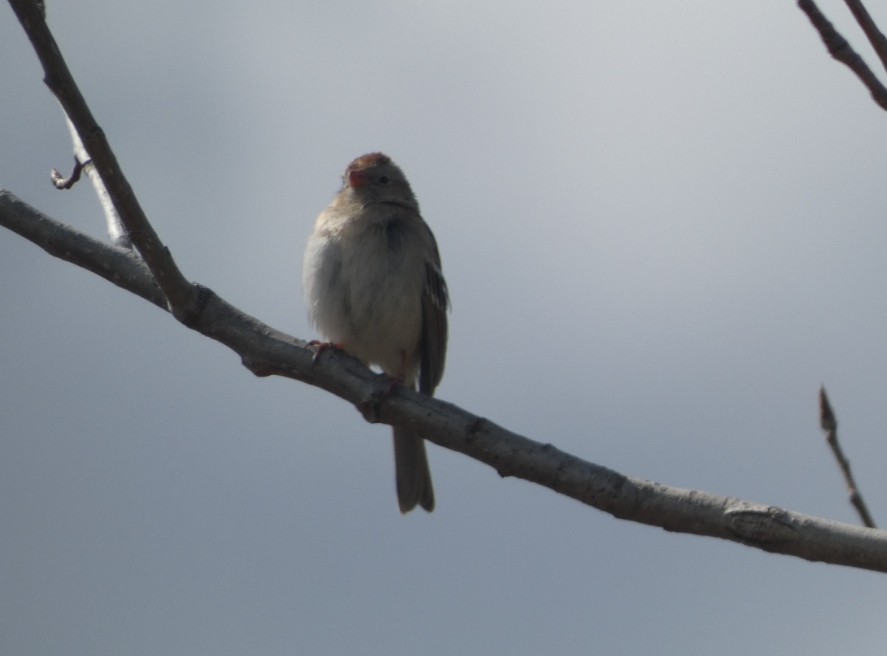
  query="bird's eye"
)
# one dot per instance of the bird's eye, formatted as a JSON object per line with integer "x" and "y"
{"x": 384, "y": 179}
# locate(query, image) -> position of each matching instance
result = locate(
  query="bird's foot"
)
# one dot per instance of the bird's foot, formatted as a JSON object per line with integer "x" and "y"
{"x": 320, "y": 347}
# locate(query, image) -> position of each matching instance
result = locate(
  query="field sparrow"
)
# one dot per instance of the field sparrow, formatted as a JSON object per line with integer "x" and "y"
{"x": 373, "y": 283}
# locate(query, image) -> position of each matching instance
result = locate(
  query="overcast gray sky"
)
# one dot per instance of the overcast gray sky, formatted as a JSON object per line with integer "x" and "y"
{"x": 662, "y": 225}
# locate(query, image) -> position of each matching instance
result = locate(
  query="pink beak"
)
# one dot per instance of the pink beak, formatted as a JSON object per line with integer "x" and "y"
{"x": 357, "y": 179}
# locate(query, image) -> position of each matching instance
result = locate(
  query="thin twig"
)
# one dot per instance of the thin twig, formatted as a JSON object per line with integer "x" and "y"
{"x": 872, "y": 32}
{"x": 59, "y": 181}
{"x": 181, "y": 295}
{"x": 83, "y": 163}
{"x": 266, "y": 351}
{"x": 839, "y": 49}
{"x": 830, "y": 425}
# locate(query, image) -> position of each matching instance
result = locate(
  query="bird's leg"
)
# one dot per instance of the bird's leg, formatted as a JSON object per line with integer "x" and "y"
{"x": 320, "y": 347}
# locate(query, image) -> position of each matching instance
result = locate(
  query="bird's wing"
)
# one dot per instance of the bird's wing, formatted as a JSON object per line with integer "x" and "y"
{"x": 435, "y": 302}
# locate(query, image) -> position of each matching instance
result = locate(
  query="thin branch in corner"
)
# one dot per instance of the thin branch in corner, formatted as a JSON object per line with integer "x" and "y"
{"x": 873, "y": 33}
{"x": 830, "y": 426}
{"x": 841, "y": 50}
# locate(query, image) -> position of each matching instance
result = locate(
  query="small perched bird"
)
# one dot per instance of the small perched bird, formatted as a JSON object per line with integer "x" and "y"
{"x": 374, "y": 287}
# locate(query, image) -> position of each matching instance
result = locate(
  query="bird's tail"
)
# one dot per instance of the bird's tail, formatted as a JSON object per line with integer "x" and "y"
{"x": 412, "y": 472}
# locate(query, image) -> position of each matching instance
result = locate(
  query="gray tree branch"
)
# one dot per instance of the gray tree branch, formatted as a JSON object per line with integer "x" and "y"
{"x": 871, "y": 29}
{"x": 182, "y": 297}
{"x": 118, "y": 265}
{"x": 266, "y": 351}
{"x": 840, "y": 49}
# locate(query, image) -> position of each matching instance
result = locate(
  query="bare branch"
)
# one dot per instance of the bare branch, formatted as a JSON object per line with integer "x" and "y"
{"x": 83, "y": 163}
{"x": 266, "y": 351}
{"x": 118, "y": 265}
{"x": 839, "y": 49}
{"x": 830, "y": 425}
{"x": 874, "y": 35}
{"x": 182, "y": 296}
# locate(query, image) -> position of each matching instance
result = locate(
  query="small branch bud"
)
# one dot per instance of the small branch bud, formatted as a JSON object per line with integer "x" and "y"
{"x": 61, "y": 182}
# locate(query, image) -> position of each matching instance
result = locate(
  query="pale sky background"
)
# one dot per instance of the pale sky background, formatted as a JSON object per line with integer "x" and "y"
{"x": 663, "y": 227}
